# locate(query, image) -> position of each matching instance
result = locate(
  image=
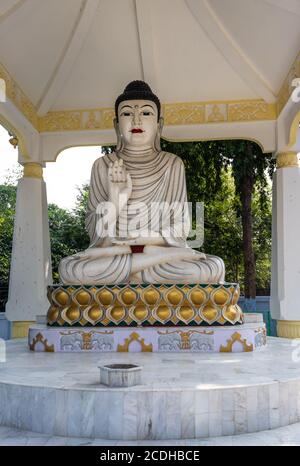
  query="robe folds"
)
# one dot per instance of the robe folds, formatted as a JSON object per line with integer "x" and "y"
{"x": 158, "y": 182}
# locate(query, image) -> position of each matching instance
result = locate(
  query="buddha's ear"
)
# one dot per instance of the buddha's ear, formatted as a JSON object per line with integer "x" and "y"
{"x": 160, "y": 125}
{"x": 119, "y": 136}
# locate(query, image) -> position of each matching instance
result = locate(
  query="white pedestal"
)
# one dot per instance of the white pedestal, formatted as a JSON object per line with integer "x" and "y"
{"x": 247, "y": 337}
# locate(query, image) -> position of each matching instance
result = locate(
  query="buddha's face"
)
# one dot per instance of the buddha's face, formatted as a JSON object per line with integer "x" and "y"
{"x": 138, "y": 123}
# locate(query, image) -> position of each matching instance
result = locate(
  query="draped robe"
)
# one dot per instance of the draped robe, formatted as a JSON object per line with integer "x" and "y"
{"x": 156, "y": 178}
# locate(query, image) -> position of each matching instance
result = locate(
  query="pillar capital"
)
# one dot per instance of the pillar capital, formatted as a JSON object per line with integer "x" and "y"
{"x": 287, "y": 160}
{"x": 33, "y": 170}
{"x": 288, "y": 328}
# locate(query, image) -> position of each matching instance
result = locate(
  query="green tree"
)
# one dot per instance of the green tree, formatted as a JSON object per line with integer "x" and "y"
{"x": 7, "y": 212}
{"x": 67, "y": 230}
{"x": 251, "y": 171}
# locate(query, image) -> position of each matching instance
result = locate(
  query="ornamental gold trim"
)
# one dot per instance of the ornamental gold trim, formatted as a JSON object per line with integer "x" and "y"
{"x": 286, "y": 88}
{"x": 191, "y": 113}
{"x": 33, "y": 170}
{"x": 19, "y": 98}
{"x": 143, "y": 305}
{"x": 236, "y": 337}
{"x": 287, "y": 159}
{"x": 135, "y": 337}
{"x": 39, "y": 338}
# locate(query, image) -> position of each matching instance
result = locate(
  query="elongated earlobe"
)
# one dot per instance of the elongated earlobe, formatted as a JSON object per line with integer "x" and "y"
{"x": 160, "y": 125}
{"x": 120, "y": 144}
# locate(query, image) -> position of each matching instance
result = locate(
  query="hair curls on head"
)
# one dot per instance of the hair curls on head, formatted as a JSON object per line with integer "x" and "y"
{"x": 137, "y": 90}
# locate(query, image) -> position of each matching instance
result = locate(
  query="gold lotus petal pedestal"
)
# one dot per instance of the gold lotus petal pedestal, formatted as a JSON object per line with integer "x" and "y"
{"x": 144, "y": 305}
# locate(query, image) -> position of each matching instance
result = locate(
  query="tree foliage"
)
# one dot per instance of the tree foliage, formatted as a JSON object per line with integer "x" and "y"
{"x": 67, "y": 230}
{"x": 7, "y": 212}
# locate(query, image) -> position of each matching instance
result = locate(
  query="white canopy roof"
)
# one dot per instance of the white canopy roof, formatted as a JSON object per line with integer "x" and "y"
{"x": 68, "y": 54}
{"x": 221, "y": 68}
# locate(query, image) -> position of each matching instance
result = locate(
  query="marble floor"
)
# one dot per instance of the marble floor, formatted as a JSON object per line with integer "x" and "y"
{"x": 284, "y": 436}
{"x": 182, "y": 396}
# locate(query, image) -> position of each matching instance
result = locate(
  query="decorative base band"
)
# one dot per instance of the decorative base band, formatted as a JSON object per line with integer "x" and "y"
{"x": 20, "y": 329}
{"x": 217, "y": 339}
{"x": 288, "y": 328}
{"x": 144, "y": 305}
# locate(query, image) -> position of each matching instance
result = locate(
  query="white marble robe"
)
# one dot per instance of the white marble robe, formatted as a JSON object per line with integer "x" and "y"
{"x": 156, "y": 177}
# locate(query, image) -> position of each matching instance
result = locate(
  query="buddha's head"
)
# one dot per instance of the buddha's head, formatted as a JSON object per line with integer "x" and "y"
{"x": 138, "y": 120}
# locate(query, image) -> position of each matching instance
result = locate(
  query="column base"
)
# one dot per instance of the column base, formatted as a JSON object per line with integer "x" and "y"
{"x": 20, "y": 329}
{"x": 288, "y": 328}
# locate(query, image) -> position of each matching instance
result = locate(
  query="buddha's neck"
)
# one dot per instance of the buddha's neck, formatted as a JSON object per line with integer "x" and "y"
{"x": 139, "y": 154}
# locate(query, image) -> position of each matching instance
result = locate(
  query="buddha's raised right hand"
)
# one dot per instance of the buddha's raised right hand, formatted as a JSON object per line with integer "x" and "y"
{"x": 119, "y": 184}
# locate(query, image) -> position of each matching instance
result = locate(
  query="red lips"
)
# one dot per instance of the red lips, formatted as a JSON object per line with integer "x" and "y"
{"x": 137, "y": 130}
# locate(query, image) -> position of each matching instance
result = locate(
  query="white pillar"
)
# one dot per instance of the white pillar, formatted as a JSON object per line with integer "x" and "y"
{"x": 30, "y": 271}
{"x": 285, "y": 285}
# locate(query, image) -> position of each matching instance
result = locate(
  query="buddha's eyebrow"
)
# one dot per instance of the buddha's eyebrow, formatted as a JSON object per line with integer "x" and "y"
{"x": 148, "y": 105}
{"x": 126, "y": 106}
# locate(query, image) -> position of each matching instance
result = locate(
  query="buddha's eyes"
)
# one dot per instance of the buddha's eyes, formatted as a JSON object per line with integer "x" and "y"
{"x": 144, "y": 113}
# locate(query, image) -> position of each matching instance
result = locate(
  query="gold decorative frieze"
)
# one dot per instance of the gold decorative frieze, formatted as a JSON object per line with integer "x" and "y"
{"x": 236, "y": 337}
{"x": 287, "y": 88}
{"x": 135, "y": 337}
{"x": 19, "y": 98}
{"x": 144, "y": 305}
{"x": 40, "y": 339}
{"x": 184, "y": 114}
{"x": 251, "y": 111}
{"x": 174, "y": 114}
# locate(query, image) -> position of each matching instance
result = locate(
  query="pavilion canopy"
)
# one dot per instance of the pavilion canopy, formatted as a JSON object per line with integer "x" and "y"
{"x": 79, "y": 54}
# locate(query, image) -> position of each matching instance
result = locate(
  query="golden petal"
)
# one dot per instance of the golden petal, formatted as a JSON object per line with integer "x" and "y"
{"x": 73, "y": 314}
{"x": 62, "y": 297}
{"x": 151, "y": 296}
{"x": 198, "y": 297}
{"x": 140, "y": 312}
{"x": 117, "y": 313}
{"x": 163, "y": 313}
{"x": 53, "y": 314}
{"x": 174, "y": 297}
{"x": 83, "y": 297}
{"x": 231, "y": 313}
{"x": 95, "y": 313}
{"x": 105, "y": 297}
{"x": 209, "y": 313}
{"x": 186, "y": 313}
{"x": 128, "y": 297}
{"x": 220, "y": 297}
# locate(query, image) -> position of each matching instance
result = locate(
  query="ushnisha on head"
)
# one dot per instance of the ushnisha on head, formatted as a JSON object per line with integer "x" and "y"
{"x": 138, "y": 122}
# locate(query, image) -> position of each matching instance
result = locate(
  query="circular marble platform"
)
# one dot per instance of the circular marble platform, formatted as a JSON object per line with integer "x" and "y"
{"x": 182, "y": 395}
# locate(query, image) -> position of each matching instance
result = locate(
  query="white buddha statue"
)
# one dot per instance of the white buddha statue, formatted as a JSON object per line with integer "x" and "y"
{"x": 125, "y": 185}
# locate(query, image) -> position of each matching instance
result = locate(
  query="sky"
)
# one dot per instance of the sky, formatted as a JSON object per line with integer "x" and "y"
{"x": 71, "y": 170}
